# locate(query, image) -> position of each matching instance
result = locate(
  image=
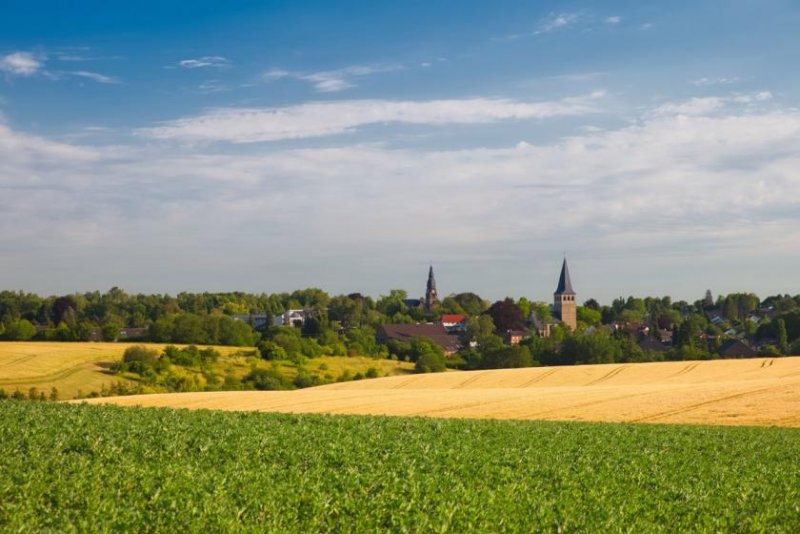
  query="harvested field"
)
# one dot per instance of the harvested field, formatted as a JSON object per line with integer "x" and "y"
{"x": 763, "y": 391}
{"x": 69, "y": 367}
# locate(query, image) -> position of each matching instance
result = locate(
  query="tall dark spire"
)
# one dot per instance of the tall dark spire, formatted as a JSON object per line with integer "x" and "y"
{"x": 431, "y": 296}
{"x": 564, "y": 283}
{"x": 431, "y": 280}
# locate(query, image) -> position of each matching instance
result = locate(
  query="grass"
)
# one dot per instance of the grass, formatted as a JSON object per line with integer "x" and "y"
{"x": 72, "y": 468}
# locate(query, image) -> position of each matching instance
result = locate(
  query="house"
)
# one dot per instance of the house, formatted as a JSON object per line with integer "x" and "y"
{"x": 406, "y": 332}
{"x": 258, "y": 321}
{"x": 715, "y": 317}
{"x": 543, "y": 327}
{"x": 291, "y": 318}
{"x": 454, "y": 323}
{"x": 130, "y": 333}
{"x": 733, "y": 348}
{"x": 514, "y": 337}
{"x": 665, "y": 336}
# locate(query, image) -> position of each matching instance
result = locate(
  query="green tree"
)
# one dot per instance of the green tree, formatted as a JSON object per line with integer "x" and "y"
{"x": 20, "y": 330}
{"x": 783, "y": 338}
{"x": 430, "y": 362}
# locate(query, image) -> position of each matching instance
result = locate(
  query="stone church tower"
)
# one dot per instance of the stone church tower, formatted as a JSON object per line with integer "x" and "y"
{"x": 431, "y": 296}
{"x": 564, "y": 300}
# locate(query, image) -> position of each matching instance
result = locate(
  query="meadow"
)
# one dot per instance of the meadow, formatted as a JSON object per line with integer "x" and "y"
{"x": 78, "y": 468}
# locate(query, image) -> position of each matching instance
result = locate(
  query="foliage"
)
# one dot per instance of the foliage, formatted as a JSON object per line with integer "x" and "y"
{"x": 19, "y": 330}
{"x": 213, "y": 471}
{"x": 430, "y": 362}
{"x": 506, "y": 315}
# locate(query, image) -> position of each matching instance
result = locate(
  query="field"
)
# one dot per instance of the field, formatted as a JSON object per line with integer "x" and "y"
{"x": 109, "y": 469}
{"x": 731, "y": 392}
{"x": 69, "y": 367}
{"x": 82, "y": 368}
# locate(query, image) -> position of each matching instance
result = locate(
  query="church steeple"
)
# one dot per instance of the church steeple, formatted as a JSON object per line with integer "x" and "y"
{"x": 564, "y": 283}
{"x": 431, "y": 296}
{"x": 564, "y": 303}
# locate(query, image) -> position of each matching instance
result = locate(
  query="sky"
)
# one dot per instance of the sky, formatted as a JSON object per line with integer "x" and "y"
{"x": 269, "y": 146}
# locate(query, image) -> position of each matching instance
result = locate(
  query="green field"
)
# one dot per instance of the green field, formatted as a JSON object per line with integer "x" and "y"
{"x": 100, "y": 468}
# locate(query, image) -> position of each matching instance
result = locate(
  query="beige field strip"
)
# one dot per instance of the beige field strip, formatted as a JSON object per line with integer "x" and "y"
{"x": 730, "y": 392}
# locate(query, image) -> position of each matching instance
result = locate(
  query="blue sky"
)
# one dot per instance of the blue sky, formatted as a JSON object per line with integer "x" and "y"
{"x": 267, "y": 146}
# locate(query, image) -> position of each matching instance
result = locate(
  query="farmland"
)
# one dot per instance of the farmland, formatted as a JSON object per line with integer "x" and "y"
{"x": 105, "y": 468}
{"x": 72, "y": 368}
{"x": 760, "y": 391}
{"x": 78, "y": 369}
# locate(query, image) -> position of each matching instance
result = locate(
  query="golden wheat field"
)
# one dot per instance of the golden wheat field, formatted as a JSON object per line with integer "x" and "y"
{"x": 69, "y": 367}
{"x": 763, "y": 391}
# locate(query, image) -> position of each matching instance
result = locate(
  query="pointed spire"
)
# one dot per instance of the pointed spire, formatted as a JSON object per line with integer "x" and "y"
{"x": 431, "y": 280}
{"x": 564, "y": 283}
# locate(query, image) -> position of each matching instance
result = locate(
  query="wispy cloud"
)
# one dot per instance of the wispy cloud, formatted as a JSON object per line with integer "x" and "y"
{"x": 697, "y": 106}
{"x": 315, "y": 119}
{"x": 330, "y": 81}
{"x": 99, "y": 78}
{"x": 217, "y": 62}
{"x": 558, "y": 21}
{"x": 615, "y": 19}
{"x": 666, "y": 185}
{"x": 21, "y": 63}
{"x": 719, "y": 80}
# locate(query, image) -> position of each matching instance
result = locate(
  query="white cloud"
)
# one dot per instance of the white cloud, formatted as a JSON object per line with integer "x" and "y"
{"x": 248, "y": 125}
{"x": 557, "y": 21}
{"x": 21, "y": 63}
{"x": 687, "y": 185}
{"x": 720, "y": 80}
{"x": 710, "y": 104}
{"x": 331, "y": 81}
{"x": 615, "y": 19}
{"x": 99, "y": 78}
{"x": 217, "y": 62}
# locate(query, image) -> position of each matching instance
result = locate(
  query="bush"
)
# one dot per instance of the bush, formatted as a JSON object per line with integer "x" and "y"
{"x": 138, "y": 359}
{"x": 267, "y": 380}
{"x": 430, "y": 362}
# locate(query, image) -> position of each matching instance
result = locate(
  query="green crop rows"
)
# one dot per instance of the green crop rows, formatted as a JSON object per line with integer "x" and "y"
{"x": 80, "y": 468}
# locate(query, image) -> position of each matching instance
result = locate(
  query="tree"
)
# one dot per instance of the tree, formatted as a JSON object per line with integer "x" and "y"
{"x": 139, "y": 358}
{"x": 505, "y": 357}
{"x": 20, "y": 330}
{"x": 506, "y": 315}
{"x": 708, "y": 301}
{"x": 471, "y": 303}
{"x": 430, "y": 362}
{"x": 783, "y": 338}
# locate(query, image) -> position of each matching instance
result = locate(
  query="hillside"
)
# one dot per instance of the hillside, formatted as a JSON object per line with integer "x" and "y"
{"x": 78, "y": 369}
{"x": 71, "y": 368}
{"x": 730, "y": 392}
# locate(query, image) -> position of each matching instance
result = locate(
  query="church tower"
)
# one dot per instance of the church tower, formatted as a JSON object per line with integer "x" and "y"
{"x": 564, "y": 299}
{"x": 431, "y": 297}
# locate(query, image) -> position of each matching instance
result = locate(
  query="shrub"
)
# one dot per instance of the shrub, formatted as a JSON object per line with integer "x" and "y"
{"x": 139, "y": 358}
{"x": 430, "y": 362}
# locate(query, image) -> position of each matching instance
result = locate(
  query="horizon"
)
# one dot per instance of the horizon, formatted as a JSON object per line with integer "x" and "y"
{"x": 168, "y": 148}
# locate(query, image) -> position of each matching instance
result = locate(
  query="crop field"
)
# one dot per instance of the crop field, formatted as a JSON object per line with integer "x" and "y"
{"x": 82, "y": 368}
{"x": 69, "y": 367}
{"x": 762, "y": 391}
{"x": 78, "y": 468}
